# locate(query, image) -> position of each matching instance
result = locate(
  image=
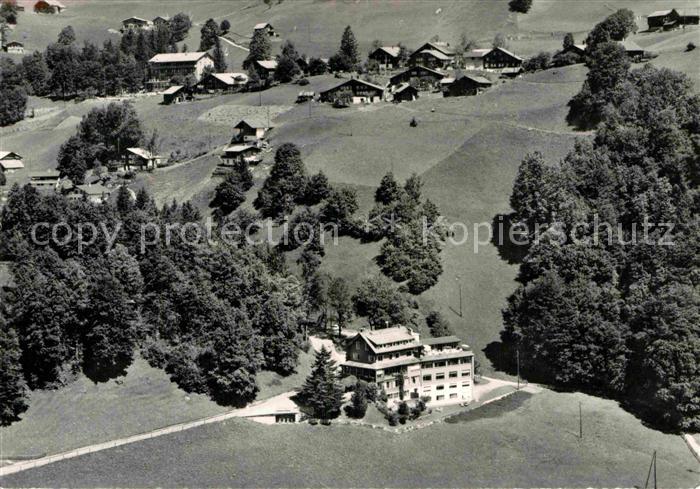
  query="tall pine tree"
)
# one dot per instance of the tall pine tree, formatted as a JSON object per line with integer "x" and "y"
{"x": 321, "y": 390}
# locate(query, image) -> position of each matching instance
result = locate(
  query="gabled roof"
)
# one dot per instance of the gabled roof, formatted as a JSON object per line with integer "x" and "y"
{"x": 174, "y": 89}
{"x": 268, "y": 64}
{"x": 231, "y": 78}
{"x": 385, "y": 336}
{"x": 504, "y": 50}
{"x": 442, "y": 340}
{"x": 178, "y": 57}
{"x": 476, "y": 79}
{"x": 261, "y": 25}
{"x": 145, "y": 21}
{"x": 11, "y": 154}
{"x": 404, "y": 86}
{"x": 660, "y": 13}
{"x": 11, "y": 164}
{"x": 14, "y": 43}
{"x": 443, "y": 47}
{"x": 392, "y": 51}
{"x": 141, "y": 152}
{"x": 255, "y": 121}
{"x": 240, "y": 148}
{"x": 353, "y": 81}
{"x": 434, "y": 53}
{"x": 94, "y": 189}
{"x": 630, "y": 45}
{"x": 477, "y": 53}
{"x": 162, "y": 17}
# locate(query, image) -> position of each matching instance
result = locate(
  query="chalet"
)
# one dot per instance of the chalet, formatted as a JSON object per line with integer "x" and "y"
{"x": 251, "y": 129}
{"x": 387, "y": 57}
{"x": 466, "y": 85}
{"x": 405, "y": 93}
{"x": 663, "y": 19}
{"x": 95, "y": 193}
{"x": 175, "y": 95}
{"x": 305, "y": 96}
{"x": 222, "y": 82}
{"x": 499, "y": 58}
{"x": 141, "y": 159}
{"x": 430, "y": 58}
{"x": 164, "y": 67}
{"x": 10, "y": 162}
{"x": 136, "y": 23}
{"x": 421, "y": 77}
{"x": 49, "y": 7}
{"x": 161, "y": 21}
{"x": 14, "y": 47}
{"x": 354, "y": 91}
{"x": 47, "y": 179}
{"x": 633, "y": 50}
{"x": 237, "y": 153}
{"x": 689, "y": 17}
{"x": 266, "y": 68}
{"x": 265, "y": 27}
{"x": 407, "y": 368}
{"x": 474, "y": 59}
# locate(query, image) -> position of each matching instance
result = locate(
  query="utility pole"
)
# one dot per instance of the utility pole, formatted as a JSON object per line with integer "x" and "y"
{"x": 652, "y": 466}
{"x": 517, "y": 362}
{"x": 260, "y": 94}
{"x": 459, "y": 283}
{"x": 580, "y": 421}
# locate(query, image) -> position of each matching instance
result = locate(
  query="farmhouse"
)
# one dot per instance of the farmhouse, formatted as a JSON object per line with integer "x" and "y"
{"x": 663, "y": 19}
{"x": 46, "y": 180}
{"x": 94, "y": 193}
{"x": 474, "y": 59}
{"x": 141, "y": 159}
{"x": 174, "y": 95}
{"x": 237, "y": 153}
{"x": 160, "y": 21}
{"x": 387, "y": 57}
{"x": 49, "y": 7}
{"x": 163, "y": 67}
{"x": 266, "y": 68}
{"x": 136, "y": 23}
{"x": 222, "y": 82}
{"x": 408, "y": 368}
{"x": 418, "y": 76}
{"x": 499, "y": 58}
{"x": 354, "y": 91}
{"x": 266, "y": 27}
{"x": 432, "y": 58}
{"x": 10, "y": 162}
{"x": 252, "y": 128}
{"x": 14, "y": 47}
{"x": 405, "y": 93}
{"x": 466, "y": 85}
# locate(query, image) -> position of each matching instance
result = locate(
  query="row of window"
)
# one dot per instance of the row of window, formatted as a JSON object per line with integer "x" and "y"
{"x": 454, "y": 361}
{"x": 440, "y": 376}
{"x": 442, "y": 397}
{"x": 442, "y": 387}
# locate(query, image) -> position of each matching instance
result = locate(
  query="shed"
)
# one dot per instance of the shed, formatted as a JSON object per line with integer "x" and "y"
{"x": 466, "y": 85}
{"x": 305, "y": 96}
{"x": 49, "y": 7}
{"x": 14, "y": 47}
{"x": 10, "y": 162}
{"x": 405, "y": 93}
{"x": 142, "y": 159}
{"x": 421, "y": 77}
{"x": 265, "y": 26}
{"x": 251, "y": 128}
{"x": 633, "y": 50}
{"x": 174, "y": 94}
{"x": 237, "y": 153}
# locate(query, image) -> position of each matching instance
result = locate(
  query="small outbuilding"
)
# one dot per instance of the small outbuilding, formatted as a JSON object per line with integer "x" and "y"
{"x": 141, "y": 159}
{"x": 174, "y": 95}
{"x": 265, "y": 27}
{"x": 305, "y": 96}
{"x": 10, "y": 162}
{"x": 633, "y": 50}
{"x": 49, "y": 7}
{"x": 237, "y": 153}
{"x": 405, "y": 93}
{"x": 94, "y": 193}
{"x": 251, "y": 129}
{"x": 466, "y": 85}
{"x": 266, "y": 68}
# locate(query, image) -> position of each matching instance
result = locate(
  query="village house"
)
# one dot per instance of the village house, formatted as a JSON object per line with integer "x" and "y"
{"x": 387, "y": 57}
{"x": 161, "y": 21}
{"x": 354, "y": 91}
{"x": 14, "y": 47}
{"x": 407, "y": 368}
{"x": 10, "y": 162}
{"x": 175, "y": 95}
{"x": 419, "y": 77}
{"x": 222, "y": 82}
{"x": 500, "y": 58}
{"x": 141, "y": 159}
{"x": 432, "y": 55}
{"x": 671, "y": 19}
{"x": 266, "y": 27}
{"x": 237, "y": 153}
{"x": 49, "y": 7}
{"x": 466, "y": 85}
{"x": 474, "y": 59}
{"x": 633, "y": 50}
{"x": 164, "y": 67}
{"x": 136, "y": 23}
{"x": 251, "y": 129}
{"x": 405, "y": 92}
{"x": 94, "y": 193}
{"x": 265, "y": 68}
{"x": 45, "y": 180}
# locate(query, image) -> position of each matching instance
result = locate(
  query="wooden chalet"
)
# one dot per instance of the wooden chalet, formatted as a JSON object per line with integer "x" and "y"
{"x": 420, "y": 77}
{"x": 499, "y": 58}
{"x": 136, "y": 23}
{"x": 405, "y": 93}
{"x": 354, "y": 91}
{"x": 237, "y": 153}
{"x": 251, "y": 129}
{"x": 305, "y": 96}
{"x": 466, "y": 85}
{"x": 175, "y": 95}
{"x": 141, "y": 159}
{"x": 161, "y": 20}
{"x": 10, "y": 162}
{"x": 633, "y": 50}
{"x": 474, "y": 59}
{"x": 93, "y": 193}
{"x": 266, "y": 68}
{"x": 432, "y": 55}
{"x": 266, "y": 27}
{"x": 663, "y": 19}
{"x": 387, "y": 57}
{"x": 222, "y": 82}
{"x": 46, "y": 180}
{"x": 579, "y": 49}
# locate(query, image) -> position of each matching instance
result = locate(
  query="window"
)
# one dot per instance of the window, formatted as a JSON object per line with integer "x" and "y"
{"x": 453, "y": 396}
{"x": 453, "y": 362}
{"x": 427, "y": 378}
{"x": 453, "y": 386}
{"x": 440, "y": 376}
{"x": 466, "y": 384}
{"x": 453, "y": 374}
{"x": 439, "y": 364}
{"x": 465, "y": 373}
{"x": 426, "y": 389}
{"x": 440, "y": 387}
{"x": 428, "y": 365}
{"x": 439, "y": 398}
{"x": 371, "y": 359}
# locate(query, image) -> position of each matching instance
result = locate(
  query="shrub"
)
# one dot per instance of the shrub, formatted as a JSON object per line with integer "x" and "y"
{"x": 313, "y": 421}
{"x": 304, "y": 82}
{"x": 540, "y": 61}
{"x": 521, "y": 6}
{"x": 393, "y": 418}
{"x": 690, "y": 46}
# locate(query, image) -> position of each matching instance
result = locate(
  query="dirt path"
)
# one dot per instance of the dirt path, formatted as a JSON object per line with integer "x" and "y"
{"x": 229, "y": 41}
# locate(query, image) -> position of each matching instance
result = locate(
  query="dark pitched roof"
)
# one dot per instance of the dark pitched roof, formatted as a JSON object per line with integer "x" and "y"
{"x": 353, "y": 81}
{"x": 442, "y": 340}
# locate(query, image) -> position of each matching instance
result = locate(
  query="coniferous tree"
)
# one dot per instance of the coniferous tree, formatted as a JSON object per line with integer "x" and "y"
{"x": 219, "y": 57}
{"x": 259, "y": 49}
{"x": 13, "y": 399}
{"x": 209, "y": 33}
{"x": 348, "y": 47}
{"x": 285, "y": 186}
{"x": 321, "y": 390}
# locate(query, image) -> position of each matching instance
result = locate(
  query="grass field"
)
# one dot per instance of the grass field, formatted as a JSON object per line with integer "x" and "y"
{"x": 534, "y": 444}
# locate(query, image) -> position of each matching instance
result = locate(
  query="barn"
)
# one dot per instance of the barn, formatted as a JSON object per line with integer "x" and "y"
{"x": 405, "y": 93}
{"x": 421, "y": 77}
{"x": 499, "y": 58}
{"x": 466, "y": 85}
{"x": 222, "y": 82}
{"x": 354, "y": 91}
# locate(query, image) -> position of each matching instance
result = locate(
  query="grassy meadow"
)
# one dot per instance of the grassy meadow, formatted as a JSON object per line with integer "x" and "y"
{"x": 533, "y": 443}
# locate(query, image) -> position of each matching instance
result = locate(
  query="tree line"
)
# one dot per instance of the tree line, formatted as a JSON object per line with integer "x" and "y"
{"x": 617, "y": 310}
